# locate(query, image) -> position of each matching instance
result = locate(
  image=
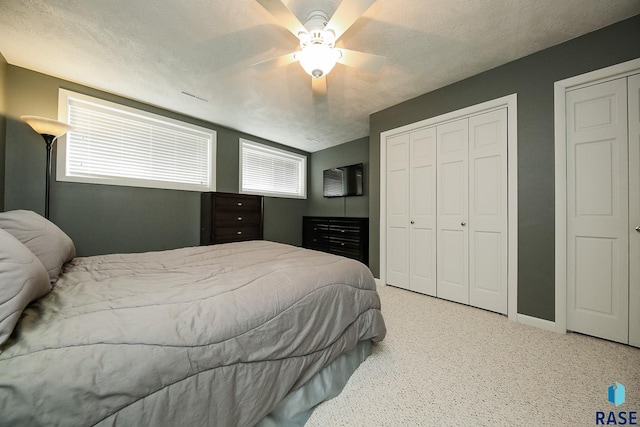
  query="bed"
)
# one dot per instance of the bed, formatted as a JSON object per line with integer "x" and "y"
{"x": 238, "y": 334}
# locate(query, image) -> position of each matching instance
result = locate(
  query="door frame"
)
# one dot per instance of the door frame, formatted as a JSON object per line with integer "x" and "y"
{"x": 511, "y": 103}
{"x": 560, "y": 88}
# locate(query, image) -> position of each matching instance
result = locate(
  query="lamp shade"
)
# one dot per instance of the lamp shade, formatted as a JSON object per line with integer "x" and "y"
{"x": 45, "y": 126}
{"x": 318, "y": 59}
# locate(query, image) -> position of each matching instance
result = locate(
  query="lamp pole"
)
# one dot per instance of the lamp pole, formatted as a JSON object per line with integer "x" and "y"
{"x": 49, "y": 140}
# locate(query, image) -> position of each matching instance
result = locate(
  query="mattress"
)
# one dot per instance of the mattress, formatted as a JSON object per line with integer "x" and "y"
{"x": 214, "y": 335}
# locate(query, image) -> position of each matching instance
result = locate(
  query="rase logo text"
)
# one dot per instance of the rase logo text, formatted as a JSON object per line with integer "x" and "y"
{"x": 616, "y": 396}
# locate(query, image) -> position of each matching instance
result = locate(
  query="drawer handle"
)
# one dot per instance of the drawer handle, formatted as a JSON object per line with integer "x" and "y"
{"x": 239, "y": 203}
{"x": 239, "y": 233}
{"x": 239, "y": 218}
{"x": 342, "y": 244}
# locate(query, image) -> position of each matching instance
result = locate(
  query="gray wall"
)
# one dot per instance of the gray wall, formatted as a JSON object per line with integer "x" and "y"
{"x": 532, "y": 79}
{"x": 107, "y": 219}
{"x": 3, "y": 124}
{"x": 349, "y": 153}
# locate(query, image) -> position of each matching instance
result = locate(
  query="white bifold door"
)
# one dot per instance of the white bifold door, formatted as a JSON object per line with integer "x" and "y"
{"x": 447, "y": 210}
{"x": 411, "y": 215}
{"x": 603, "y": 210}
{"x": 472, "y": 211}
{"x": 453, "y": 211}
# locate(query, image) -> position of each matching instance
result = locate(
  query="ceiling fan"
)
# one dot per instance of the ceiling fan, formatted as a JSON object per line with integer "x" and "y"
{"x": 317, "y": 36}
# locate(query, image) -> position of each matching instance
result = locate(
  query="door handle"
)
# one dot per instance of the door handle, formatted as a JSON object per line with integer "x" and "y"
{"x": 638, "y": 229}
{"x": 463, "y": 223}
{"x": 413, "y": 222}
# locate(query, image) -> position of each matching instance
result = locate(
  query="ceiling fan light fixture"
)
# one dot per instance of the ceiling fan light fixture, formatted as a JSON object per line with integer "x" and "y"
{"x": 318, "y": 60}
{"x": 317, "y": 36}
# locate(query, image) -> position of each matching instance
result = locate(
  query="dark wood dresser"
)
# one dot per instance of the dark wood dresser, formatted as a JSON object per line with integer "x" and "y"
{"x": 344, "y": 236}
{"x": 229, "y": 217}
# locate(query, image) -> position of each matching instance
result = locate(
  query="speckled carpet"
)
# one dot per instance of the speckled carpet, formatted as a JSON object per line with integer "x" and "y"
{"x": 446, "y": 364}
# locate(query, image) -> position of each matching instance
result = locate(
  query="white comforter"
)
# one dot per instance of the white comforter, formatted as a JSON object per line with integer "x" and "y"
{"x": 203, "y": 336}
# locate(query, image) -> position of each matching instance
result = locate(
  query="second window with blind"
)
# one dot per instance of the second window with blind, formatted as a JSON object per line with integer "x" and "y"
{"x": 269, "y": 171}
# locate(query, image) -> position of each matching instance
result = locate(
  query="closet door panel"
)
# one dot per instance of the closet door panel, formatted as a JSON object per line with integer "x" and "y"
{"x": 634, "y": 210}
{"x": 422, "y": 206}
{"x": 597, "y": 211}
{"x": 398, "y": 211}
{"x": 488, "y": 211}
{"x": 452, "y": 208}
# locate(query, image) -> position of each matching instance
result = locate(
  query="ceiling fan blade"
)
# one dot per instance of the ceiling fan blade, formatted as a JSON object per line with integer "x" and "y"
{"x": 284, "y": 16}
{"x": 319, "y": 86}
{"x": 273, "y": 63}
{"x": 362, "y": 61}
{"x": 346, "y": 14}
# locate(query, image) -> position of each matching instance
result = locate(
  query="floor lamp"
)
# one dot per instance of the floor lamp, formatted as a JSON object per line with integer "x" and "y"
{"x": 50, "y": 130}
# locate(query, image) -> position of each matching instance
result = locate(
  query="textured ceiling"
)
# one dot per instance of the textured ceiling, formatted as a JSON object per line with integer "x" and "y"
{"x": 154, "y": 50}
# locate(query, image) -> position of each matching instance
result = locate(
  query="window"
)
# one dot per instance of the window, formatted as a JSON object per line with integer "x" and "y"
{"x": 272, "y": 172}
{"x": 117, "y": 145}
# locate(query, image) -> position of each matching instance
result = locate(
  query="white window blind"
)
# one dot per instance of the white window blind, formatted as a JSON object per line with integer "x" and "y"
{"x": 118, "y": 145}
{"x": 269, "y": 171}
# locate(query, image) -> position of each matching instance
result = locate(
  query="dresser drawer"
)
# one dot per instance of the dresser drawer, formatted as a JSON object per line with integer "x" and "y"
{"x": 237, "y": 204}
{"x": 317, "y": 224}
{"x": 344, "y": 232}
{"x": 236, "y": 234}
{"x": 319, "y": 243}
{"x": 237, "y": 219}
{"x": 344, "y": 244}
{"x": 347, "y": 252}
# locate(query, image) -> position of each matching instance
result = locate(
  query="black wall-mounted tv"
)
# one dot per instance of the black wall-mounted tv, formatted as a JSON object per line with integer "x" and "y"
{"x": 343, "y": 181}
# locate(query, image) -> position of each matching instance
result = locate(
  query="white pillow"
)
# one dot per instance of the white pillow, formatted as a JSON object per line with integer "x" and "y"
{"x": 23, "y": 279}
{"x": 47, "y": 242}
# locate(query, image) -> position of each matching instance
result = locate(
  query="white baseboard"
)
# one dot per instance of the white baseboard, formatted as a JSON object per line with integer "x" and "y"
{"x": 379, "y": 283}
{"x": 536, "y": 322}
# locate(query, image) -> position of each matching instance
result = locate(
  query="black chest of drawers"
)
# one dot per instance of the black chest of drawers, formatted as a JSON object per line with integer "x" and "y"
{"x": 229, "y": 217}
{"x": 346, "y": 236}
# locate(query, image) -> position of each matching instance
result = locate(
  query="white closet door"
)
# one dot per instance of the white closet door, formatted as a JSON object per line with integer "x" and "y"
{"x": 422, "y": 264}
{"x": 597, "y": 211}
{"x": 634, "y": 210}
{"x": 452, "y": 201}
{"x": 487, "y": 223}
{"x": 398, "y": 211}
